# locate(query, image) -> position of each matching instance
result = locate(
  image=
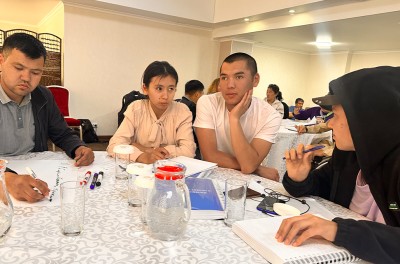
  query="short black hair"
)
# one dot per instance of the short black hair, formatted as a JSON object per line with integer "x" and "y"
{"x": 250, "y": 61}
{"x": 193, "y": 86}
{"x": 159, "y": 68}
{"x": 27, "y": 44}
{"x": 298, "y": 99}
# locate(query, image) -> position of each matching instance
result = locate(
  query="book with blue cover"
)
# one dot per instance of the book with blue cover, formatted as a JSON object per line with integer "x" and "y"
{"x": 205, "y": 198}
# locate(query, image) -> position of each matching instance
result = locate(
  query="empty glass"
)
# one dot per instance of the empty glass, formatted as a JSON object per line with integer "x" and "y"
{"x": 6, "y": 206}
{"x": 72, "y": 195}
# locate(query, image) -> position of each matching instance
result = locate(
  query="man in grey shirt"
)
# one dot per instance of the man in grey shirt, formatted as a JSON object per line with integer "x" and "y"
{"x": 29, "y": 114}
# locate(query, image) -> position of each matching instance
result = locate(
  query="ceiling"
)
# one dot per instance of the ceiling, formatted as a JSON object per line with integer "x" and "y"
{"x": 368, "y": 33}
{"x": 365, "y": 33}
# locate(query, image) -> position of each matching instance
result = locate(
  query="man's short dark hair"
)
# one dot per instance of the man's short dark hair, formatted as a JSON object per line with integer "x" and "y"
{"x": 193, "y": 86}
{"x": 298, "y": 99}
{"x": 27, "y": 44}
{"x": 250, "y": 61}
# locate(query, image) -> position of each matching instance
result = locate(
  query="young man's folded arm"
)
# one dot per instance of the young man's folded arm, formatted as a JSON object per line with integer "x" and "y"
{"x": 208, "y": 147}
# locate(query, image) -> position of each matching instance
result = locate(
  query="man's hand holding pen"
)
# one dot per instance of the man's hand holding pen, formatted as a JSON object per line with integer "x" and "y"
{"x": 83, "y": 156}
{"x": 22, "y": 187}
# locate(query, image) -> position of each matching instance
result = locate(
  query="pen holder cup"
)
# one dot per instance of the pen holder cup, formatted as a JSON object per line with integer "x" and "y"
{"x": 135, "y": 187}
{"x": 122, "y": 159}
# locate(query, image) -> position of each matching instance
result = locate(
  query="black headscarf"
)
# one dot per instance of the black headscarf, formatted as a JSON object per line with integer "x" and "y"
{"x": 371, "y": 100}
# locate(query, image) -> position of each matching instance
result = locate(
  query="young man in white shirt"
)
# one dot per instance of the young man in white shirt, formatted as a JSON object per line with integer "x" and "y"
{"x": 235, "y": 129}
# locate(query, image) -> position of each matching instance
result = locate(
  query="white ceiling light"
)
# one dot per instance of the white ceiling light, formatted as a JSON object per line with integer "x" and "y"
{"x": 323, "y": 44}
{"x": 292, "y": 11}
{"x": 246, "y": 19}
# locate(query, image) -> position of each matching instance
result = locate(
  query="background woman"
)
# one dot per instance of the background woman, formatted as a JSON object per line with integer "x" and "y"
{"x": 274, "y": 98}
{"x": 157, "y": 127}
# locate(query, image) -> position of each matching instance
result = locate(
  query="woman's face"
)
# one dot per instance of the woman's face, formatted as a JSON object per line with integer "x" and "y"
{"x": 271, "y": 95}
{"x": 341, "y": 130}
{"x": 161, "y": 92}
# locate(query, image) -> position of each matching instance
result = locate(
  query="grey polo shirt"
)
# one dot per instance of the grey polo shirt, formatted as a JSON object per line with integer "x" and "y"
{"x": 17, "y": 128}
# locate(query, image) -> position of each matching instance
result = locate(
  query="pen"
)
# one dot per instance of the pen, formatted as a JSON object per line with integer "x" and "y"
{"x": 311, "y": 149}
{"x": 87, "y": 177}
{"x": 269, "y": 212}
{"x": 94, "y": 180}
{"x": 33, "y": 175}
{"x": 99, "y": 178}
{"x": 31, "y": 172}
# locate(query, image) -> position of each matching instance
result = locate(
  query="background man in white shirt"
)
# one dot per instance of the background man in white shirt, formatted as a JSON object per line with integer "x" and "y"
{"x": 233, "y": 128}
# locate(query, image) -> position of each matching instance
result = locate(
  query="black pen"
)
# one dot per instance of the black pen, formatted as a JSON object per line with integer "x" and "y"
{"x": 311, "y": 149}
{"x": 93, "y": 184}
{"x": 99, "y": 179}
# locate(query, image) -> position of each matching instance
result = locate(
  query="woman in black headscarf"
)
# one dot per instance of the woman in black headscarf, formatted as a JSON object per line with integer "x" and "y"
{"x": 364, "y": 172}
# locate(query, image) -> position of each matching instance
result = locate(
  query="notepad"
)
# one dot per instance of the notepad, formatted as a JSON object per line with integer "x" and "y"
{"x": 260, "y": 235}
{"x": 195, "y": 167}
{"x": 205, "y": 198}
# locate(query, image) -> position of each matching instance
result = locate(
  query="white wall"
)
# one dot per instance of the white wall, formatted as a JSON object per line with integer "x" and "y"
{"x": 308, "y": 75}
{"x": 106, "y": 54}
{"x": 54, "y": 22}
{"x": 374, "y": 59}
{"x": 286, "y": 69}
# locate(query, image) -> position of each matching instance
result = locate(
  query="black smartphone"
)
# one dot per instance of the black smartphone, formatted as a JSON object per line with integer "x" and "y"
{"x": 266, "y": 205}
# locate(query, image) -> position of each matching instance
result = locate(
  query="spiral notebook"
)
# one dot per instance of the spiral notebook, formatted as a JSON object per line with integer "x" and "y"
{"x": 260, "y": 235}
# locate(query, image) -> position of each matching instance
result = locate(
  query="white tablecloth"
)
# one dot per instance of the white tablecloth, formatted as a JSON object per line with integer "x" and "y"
{"x": 113, "y": 232}
{"x": 287, "y": 139}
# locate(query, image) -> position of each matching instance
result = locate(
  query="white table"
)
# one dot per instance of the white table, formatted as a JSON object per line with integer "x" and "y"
{"x": 287, "y": 139}
{"x": 113, "y": 232}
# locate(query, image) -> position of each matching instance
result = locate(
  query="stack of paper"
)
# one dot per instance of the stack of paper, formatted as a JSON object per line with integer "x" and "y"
{"x": 195, "y": 167}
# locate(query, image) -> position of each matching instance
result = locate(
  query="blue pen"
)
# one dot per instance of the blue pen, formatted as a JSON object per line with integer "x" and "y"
{"x": 311, "y": 149}
{"x": 268, "y": 212}
{"x": 93, "y": 184}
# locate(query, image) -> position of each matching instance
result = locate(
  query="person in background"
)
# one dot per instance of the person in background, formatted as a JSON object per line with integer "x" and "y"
{"x": 158, "y": 127}
{"x": 29, "y": 115}
{"x": 214, "y": 87}
{"x": 235, "y": 129}
{"x": 363, "y": 174}
{"x": 274, "y": 98}
{"x": 194, "y": 89}
{"x": 312, "y": 112}
{"x": 298, "y": 105}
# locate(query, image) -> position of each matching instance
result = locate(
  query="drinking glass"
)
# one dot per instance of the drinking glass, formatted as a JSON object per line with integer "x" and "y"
{"x": 235, "y": 200}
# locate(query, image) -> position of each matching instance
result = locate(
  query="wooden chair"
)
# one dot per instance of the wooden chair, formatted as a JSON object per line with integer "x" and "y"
{"x": 61, "y": 96}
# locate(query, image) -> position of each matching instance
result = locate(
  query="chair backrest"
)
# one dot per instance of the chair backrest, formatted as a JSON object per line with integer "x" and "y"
{"x": 61, "y": 96}
{"x": 126, "y": 101}
{"x": 285, "y": 111}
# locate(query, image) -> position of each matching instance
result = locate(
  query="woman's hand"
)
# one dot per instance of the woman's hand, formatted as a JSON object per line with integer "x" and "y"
{"x": 295, "y": 230}
{"x": 152, "y": 155}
